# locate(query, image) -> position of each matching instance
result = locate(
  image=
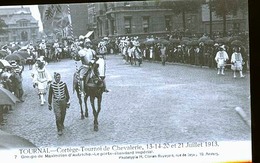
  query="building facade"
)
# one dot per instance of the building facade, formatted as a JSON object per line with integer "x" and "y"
{"x": 128, "y": 19}
{"x": 148, "y": 18}
{"x": 132, "y": 18}
{"x": 21, "y": 25}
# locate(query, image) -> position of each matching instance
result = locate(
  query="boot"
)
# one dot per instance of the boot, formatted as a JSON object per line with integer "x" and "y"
{"x": 218, "y": 71}
{"x": 222, "y": 71}
{"x": 235, "y": 74}
{"x": 81, "y": 87}
{"x": 241, "y": 74}
{"x": 104, "y": 87}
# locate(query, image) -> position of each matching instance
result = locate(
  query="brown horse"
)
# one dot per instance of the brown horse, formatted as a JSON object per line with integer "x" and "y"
{"x": 93, "y": 88}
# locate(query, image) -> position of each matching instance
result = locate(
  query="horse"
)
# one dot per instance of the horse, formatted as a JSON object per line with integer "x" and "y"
{"x": 93, "y": 88}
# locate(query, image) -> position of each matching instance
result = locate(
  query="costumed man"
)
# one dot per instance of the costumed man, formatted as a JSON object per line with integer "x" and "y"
{"x": 221, "y": 58}
{"x": 59, "y": 99}
{"x": 87, "y": 56}
{"x": 42, "y": 47}
{"x": 137, "y": 51}
{"x": 57, "y": 50}
{"x": 16, "y": 78}
{"x": 237, "y": 62}
{"x": 41, "y": 79}
{"x": 102, "y": 47}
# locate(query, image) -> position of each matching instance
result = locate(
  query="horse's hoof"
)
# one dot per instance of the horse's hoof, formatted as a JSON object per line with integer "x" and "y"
{"x": 86, "y": 115}
{"x": 82, "y": 117}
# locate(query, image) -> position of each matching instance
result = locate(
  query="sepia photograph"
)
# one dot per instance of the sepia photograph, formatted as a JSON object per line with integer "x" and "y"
{"x": 126, "y": 81}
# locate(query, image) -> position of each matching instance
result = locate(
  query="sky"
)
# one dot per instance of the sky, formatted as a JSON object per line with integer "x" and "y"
{"x": 34, "y": 10}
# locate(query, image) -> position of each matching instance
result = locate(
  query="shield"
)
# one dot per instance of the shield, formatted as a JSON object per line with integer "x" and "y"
{"x": 7, "y": 98}
{"x": 3, "y": 53}
{"x": 14, "y": 57}
{"x": 4, "y": 63}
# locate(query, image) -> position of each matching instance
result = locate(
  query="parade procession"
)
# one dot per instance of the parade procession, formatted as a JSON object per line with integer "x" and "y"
{"x": 116, "y": 76}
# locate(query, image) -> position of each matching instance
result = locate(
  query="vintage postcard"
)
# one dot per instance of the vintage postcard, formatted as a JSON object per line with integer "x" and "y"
{"x": 126, "y": 81}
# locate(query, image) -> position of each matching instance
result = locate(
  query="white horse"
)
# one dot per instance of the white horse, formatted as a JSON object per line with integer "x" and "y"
{"x": 41, "y": 80}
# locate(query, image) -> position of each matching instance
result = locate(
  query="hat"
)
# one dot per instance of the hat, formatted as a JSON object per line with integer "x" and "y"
{"x": 222, "y": 47}
{"x": 216, "y": 44}
{"x": 87, "y": 40}
{"x": 56, "y": 74}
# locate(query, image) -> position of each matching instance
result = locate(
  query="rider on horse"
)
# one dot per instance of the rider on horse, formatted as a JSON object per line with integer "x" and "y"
{"x": 87, "y": 56}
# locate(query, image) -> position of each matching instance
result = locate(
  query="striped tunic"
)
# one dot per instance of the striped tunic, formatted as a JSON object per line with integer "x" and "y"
{"x": 58, "y": 92}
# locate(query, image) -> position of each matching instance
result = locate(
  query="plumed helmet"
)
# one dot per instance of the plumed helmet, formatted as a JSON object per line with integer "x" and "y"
{"x": 87, "y": 40}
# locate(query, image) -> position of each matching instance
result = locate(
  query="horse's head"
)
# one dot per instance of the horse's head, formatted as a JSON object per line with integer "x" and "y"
{"x": 94, "y": 74}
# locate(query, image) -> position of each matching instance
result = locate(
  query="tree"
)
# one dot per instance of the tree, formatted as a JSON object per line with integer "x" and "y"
{"x": 2, "y": 26}
{"x": 181, "y": 7}
{"x": 222, "y": 8}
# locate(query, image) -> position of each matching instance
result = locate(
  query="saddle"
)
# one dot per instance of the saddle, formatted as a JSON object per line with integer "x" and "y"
{"x": 92, "y": 79}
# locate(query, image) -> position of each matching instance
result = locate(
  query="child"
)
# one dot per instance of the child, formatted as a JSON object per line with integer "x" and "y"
{"x": 221, "y": 58}
{"x": 237, "y": 62}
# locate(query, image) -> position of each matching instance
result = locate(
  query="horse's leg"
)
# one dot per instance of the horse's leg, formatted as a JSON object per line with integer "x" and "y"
{"x": 92, "y": 101}
{"x": 42, "y": 98}
{"x": 86, "y": 105}
{"x": 80, "y": 103}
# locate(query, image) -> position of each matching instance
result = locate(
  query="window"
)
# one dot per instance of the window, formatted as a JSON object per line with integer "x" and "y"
{"x": 128, "y": 25}
{"x": 168, "y": 23}
{"x": 23, "y": 23}
{"x": 146, "y": 24}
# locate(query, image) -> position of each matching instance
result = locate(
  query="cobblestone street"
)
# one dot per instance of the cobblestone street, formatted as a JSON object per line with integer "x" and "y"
{"x": 147, "y": 104}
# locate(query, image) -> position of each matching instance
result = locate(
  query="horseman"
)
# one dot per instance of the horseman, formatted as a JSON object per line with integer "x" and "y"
{"x": 102, "y": 47}
{"x": 42, "y": 48}
{"x": 87, "y": 56}
{"x": 57, "y": 49}
{"x": 41, "y": 79}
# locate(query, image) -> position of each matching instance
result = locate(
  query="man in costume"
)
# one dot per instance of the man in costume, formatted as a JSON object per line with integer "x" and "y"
{"x": 59, "y": 100}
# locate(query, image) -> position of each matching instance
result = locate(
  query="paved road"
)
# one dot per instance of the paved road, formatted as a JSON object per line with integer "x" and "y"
{"x": 147, "y": 104}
